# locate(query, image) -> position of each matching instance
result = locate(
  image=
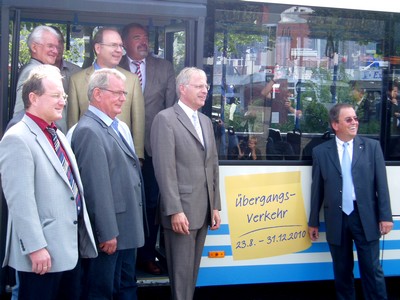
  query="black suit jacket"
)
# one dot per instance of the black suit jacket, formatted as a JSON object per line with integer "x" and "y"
{"x": 370, "y": 185}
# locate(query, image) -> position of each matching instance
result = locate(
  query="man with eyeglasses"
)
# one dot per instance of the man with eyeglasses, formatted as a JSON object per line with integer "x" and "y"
{"x": 108, "y": 47}
{"x": 48, "y": 225}
{"x": 185, "y": 162}
{"x": 349, "y": 179}
{"x": 43, "y": 47}
{"x": 158, "y": 86}
{"x": 111, "y": 176}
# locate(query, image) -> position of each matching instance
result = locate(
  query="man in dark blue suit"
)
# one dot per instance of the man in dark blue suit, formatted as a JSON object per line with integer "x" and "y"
{"x": 369, "y": 213}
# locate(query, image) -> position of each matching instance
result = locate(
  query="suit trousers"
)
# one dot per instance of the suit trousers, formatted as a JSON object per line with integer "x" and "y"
{"x": 110, "y": 276}
{"x": 183, "y": 260}
{"x": 372, "y": 277}
{"x": 50, "y": 286}
{"x": 148, "y": 252}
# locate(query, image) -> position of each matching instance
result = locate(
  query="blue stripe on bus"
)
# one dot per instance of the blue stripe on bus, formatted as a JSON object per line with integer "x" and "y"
{"x": 279, "y": 273}
{"x": 264, "y": 273}
{"x": 315, "y": 247}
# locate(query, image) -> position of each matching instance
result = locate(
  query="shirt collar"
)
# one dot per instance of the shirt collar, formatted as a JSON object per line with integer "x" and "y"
{"x": 41, "y": 123}
{"x": 188, "y": 111}
{"x": 106, "y": 119}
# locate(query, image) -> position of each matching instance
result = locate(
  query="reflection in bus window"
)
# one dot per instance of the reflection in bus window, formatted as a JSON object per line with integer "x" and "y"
{"x": 313, "y": 65}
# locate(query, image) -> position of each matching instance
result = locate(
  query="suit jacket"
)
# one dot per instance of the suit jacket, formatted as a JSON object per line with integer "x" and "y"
{"x": 370, "y": 185}
{"x": 38, "y": 195}
{"x": 187, "y": 172}
{"x": 159, "y": 91}
{"x": 132, "y": 110}
{"x": 66, "y": 71}
{"x": 22, "y": 77}
{"x": 112, "y": 180}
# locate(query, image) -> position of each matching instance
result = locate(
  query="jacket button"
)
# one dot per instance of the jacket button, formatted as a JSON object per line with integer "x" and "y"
{"x": 75, "y": 222}
{"x": 72, "y": 198}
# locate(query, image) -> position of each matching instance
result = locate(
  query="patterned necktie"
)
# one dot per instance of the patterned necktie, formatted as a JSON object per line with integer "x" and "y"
{"x": 137, "y": 63}
{"x": 66, "y": 168}
{"x": 197, "y": 126}
{"x": 347, "y": 193}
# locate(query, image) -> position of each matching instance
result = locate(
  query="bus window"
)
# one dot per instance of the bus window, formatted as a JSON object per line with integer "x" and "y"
{"x": 313, "y": 65}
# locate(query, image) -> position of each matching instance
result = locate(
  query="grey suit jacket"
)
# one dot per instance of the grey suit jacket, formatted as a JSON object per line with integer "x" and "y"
{"x": 38, "y": 195}
{"x": 132, "y": 110}
{"x": 112, "y": 180}
{"x": 187, "y": 172}
{"x": 22, "y": 77}
{"x": 159, "y": 91}
{"x": 370, "y": 185}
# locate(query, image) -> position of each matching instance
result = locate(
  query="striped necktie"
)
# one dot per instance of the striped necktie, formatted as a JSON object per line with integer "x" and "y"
{"x": 66, "y": 167}
{"x": 137, "y": 63}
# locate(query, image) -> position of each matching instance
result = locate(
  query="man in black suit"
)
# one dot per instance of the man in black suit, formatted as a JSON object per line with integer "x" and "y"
{"x": 365, "y": 217}
{"x": 157, "y": 79}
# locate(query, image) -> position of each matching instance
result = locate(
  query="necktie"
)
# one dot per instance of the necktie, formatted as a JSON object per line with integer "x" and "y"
{"x": 114, "y": 125}
{"x": 197, "y": 126}
{"x": 66, "y": 168}
{"x": 137, "y": 63}
{"x": 347, "y": 192}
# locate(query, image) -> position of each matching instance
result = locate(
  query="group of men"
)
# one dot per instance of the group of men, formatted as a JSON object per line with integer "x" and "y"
{"x": 80, "y": 206}
{"x": 79, "y": 211}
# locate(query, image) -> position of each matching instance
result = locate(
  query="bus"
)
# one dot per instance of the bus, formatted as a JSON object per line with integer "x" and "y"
{"x": 317, "y": 53}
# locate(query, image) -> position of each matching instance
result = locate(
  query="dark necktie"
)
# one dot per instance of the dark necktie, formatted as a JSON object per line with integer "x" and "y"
{"x": 347, "y": 193}
{"x": 137, "y": 63}
{"x": 66, "y": 167}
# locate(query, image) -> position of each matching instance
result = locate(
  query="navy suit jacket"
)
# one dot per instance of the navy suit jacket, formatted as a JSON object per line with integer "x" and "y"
{"x": 370, "y": 185}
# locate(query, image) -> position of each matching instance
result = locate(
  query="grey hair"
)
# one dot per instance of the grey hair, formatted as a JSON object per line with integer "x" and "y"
{"x": 100, "y": 79}
{"x": 36, "y": 35}
{"x": 184, "y": 76}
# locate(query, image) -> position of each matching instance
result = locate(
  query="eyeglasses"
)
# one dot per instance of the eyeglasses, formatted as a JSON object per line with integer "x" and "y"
{"x": 57, "y": 96}
{"x": 349, "y": 120}
{"x": 200, "y": 86}
{"x": 115, "y": 93}
{"x": 49, "y": 46}
{"x": 114, "y": 46}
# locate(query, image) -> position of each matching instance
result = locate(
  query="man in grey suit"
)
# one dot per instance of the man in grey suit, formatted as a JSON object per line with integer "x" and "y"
{"x": 158, "y": 86}
{"x": 356, "y": 203}
{"x": 186, "y": 166}
{"x": 48, "y": 225}
{"x": 43, "y": 47}
{"x": 107, "y": 45}
{"x": 113, "y": 185}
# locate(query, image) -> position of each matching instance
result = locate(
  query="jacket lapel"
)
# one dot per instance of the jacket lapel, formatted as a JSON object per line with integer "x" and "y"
{"x": 358, "y": 149}
{"x": 46, "y": 147}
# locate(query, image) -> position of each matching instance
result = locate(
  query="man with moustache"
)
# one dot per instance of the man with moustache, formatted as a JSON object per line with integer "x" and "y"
{"x": 158, "y": 85}
{"x": 107, "y": 45}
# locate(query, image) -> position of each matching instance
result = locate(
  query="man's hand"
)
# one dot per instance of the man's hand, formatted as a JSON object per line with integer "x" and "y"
{"x": 180, "y": 223}
{"x": 313, "y": 232}
{"x": 216, "y": 220}
{"x": 41, "y": 261}
{"x": 385, "y": 227}
{"x": 109, "y": 247}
